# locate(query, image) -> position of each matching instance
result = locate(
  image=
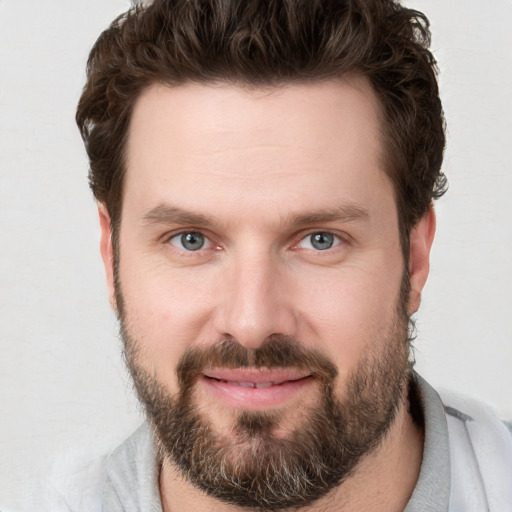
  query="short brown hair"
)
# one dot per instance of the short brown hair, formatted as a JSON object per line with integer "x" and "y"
{"x": 266, "y": 43}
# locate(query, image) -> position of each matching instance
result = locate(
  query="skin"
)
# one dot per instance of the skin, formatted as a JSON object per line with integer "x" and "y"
{"x": 261, "y": 170}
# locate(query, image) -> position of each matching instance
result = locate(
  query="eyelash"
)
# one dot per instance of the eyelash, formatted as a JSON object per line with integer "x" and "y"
{"x": 338, "y": 240}
{"x": 181, "y": 234}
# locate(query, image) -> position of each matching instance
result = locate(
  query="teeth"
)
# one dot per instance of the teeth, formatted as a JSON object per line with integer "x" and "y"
{"x": 258, "y": 385}
{"x": 246, "y": 384}
{"x": 264, "y": 384}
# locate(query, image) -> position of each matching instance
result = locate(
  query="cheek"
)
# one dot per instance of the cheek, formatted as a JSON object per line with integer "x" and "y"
{"x": 347, "y": 314}
{"x": 165, "y": 313}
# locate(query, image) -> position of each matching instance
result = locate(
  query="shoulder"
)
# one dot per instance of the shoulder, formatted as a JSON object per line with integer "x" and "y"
{"x": 80, "y": 484}
{"x": 76, "y": 484}
{"x": 480, "y": 450}
{"x": 481, "y": 419}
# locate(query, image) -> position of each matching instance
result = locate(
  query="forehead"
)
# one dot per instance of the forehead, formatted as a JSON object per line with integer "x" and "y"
{"x": 272, "y": 145}
{"x": 329, "y": 110}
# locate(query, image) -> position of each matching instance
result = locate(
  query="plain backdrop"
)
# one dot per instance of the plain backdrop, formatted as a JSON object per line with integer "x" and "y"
{"x": 63, "y": 387}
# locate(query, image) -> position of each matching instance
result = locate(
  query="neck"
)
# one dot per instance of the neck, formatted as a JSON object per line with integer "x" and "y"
{"x": 384, "y": 480}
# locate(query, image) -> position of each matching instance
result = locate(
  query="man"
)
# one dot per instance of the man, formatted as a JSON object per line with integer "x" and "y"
{"x": 265, "y": 173}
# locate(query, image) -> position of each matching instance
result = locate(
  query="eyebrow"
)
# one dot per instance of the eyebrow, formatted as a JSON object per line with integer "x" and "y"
{"x": 168, "y": 214}
{"x": 345, "y": 213}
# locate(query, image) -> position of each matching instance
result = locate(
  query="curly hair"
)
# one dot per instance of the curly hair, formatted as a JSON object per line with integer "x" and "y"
{"x": 271, "y": 43}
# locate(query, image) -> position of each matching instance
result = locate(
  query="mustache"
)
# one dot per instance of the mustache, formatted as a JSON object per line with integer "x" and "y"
{"x": 276, "y": 351}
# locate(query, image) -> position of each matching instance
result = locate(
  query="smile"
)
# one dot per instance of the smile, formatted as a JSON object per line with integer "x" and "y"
{"x": 255, "y": 389}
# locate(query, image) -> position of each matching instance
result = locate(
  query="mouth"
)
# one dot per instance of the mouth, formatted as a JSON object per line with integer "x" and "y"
{"x": 255, "y": 389}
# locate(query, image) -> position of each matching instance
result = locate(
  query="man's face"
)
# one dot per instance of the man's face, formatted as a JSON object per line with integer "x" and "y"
{"x": 260, "y": 272}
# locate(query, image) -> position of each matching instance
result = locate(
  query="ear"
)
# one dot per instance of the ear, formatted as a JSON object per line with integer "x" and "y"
{"x": 107, "y": 251}
{"x": 421, "y": 239}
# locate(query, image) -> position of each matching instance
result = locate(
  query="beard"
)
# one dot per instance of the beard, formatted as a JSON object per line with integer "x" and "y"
{"x": 248, "y": 465}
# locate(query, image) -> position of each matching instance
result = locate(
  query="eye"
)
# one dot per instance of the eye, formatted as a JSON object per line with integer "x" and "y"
{"x": 190, "y": 241}
{"x": 319, "y": 241}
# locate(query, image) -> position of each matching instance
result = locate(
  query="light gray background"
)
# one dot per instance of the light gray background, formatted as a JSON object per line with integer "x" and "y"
{"x": 63, "y": 388}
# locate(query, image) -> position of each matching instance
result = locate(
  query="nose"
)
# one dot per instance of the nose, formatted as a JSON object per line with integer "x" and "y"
{"x": 254, "y": 302}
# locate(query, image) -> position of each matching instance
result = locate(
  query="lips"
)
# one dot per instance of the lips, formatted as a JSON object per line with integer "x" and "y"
{"x": 255, "y": 388}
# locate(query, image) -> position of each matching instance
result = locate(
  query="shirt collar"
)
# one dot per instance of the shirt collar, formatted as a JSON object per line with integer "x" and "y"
{"x": 432, "y": 491}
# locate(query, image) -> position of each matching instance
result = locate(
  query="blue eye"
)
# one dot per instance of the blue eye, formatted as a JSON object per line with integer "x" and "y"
{"x": 320, "y": 241}
{"x": 190, "y": 241}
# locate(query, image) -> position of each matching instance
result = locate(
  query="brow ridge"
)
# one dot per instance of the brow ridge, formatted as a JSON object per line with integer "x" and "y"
{"x": 169, "y": 214}
{"x": 346, "y": 213}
